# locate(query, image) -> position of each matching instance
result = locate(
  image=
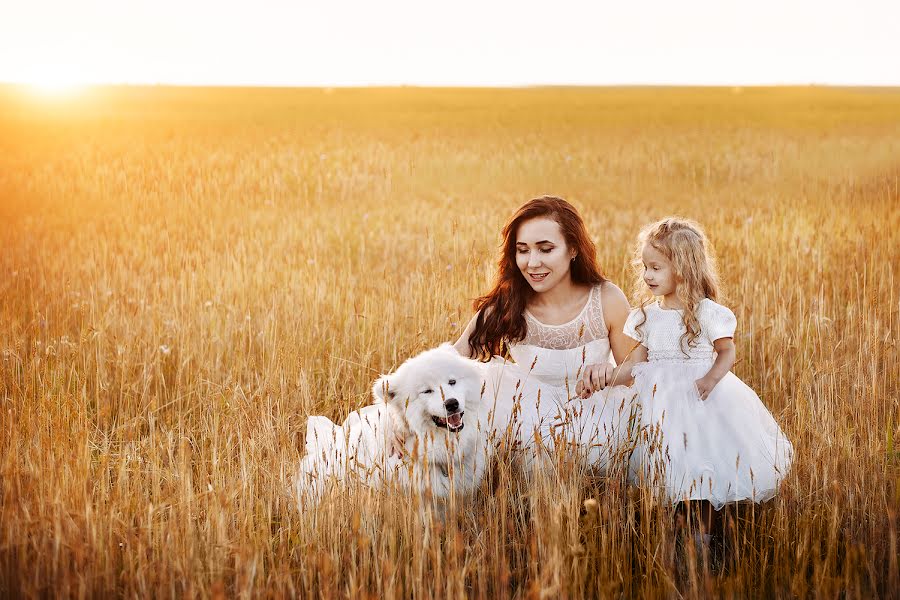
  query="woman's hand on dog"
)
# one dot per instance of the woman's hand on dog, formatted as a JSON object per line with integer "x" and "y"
{"x": 398, "y": 444}
{"x": 398, "y": 436}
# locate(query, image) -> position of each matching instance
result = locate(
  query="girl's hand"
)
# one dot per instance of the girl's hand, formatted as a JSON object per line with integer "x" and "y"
{"x": 594, "y": 379}
{"x": 705, "y": 386}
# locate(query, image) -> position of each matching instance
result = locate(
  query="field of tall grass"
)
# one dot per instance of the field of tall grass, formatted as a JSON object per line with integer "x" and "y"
{"x": 187, "y": 274}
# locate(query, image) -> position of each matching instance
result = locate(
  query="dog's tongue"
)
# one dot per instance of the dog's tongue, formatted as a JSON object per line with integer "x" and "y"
{"x": 454, "y": 420}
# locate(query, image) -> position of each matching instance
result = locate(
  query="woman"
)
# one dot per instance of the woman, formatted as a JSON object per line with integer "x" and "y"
{"x": 552, "y": 311}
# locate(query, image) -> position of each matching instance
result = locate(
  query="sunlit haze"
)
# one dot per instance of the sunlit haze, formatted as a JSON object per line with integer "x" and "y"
{"x": 467, "y": 42}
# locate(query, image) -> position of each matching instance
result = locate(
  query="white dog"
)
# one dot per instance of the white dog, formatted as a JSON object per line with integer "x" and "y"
{"x": 431, "y": 406}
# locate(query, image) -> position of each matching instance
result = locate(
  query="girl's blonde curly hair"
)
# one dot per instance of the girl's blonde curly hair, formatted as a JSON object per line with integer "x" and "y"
{"x": 683, "y": 242}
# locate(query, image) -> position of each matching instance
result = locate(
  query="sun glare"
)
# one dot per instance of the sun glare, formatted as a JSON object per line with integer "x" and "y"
{"x": 54, "y": 87}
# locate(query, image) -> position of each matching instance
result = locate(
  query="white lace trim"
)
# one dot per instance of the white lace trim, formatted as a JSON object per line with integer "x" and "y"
{"x": 676, "y": 356}
{"x": 587, "y": 327}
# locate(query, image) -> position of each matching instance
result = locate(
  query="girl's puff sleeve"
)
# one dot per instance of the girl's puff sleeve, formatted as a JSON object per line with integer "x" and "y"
{"x": 719, "y": 322}
{"x": 634, "y": 319}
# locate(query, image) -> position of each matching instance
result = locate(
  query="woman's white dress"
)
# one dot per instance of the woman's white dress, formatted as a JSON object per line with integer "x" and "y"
{"x": 722, "y": 449}
{"x": 532, "y": 400}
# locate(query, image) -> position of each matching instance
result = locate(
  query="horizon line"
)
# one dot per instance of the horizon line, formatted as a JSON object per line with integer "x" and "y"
{"x": 74, "y": 84}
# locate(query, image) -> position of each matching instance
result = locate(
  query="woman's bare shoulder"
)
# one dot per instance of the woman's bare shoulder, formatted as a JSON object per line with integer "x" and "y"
{"x": 613, "y": 296}
{"x": 462, "y": 344}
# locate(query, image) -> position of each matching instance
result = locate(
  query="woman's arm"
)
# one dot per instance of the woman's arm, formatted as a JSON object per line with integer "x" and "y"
{"x": 462, "y": 344}
{"x": 615, "y": 313}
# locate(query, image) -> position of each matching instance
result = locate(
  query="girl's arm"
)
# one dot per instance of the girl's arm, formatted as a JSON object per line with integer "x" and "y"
{"x": 637, "y": 355}
{"x": 597, "y": 377}
{"x": 725, "y": 355}
{"x": 615, "y": 312}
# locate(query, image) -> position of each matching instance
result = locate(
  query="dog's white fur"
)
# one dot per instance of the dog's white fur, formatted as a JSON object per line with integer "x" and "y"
{"x": 410, "y": 403}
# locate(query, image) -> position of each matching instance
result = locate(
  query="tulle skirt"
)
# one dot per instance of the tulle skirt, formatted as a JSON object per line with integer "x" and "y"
{"x": 724, "y": 449}
{"x": 540, "y": 417}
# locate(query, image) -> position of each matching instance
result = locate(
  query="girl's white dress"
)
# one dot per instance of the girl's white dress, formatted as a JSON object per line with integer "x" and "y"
{"x": 724, "y": 449}
{"x": 533, "y": 399}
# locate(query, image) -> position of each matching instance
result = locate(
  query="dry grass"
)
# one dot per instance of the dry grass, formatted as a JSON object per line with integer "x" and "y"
{"x": 188, "y": 273}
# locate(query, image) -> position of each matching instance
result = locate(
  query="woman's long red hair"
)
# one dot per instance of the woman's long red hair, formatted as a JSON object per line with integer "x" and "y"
{"x": 501, "y": 312}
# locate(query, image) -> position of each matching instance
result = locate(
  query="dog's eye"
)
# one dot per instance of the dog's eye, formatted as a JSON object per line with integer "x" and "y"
{"x": 428, "y": 391}
{"x": 452, "y": 382}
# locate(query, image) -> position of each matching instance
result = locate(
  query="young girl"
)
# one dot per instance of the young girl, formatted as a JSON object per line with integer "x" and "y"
{"x": 706, "y": 436}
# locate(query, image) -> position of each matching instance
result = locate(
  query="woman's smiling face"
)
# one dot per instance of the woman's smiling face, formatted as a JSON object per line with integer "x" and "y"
{"x": 542, "y": 254}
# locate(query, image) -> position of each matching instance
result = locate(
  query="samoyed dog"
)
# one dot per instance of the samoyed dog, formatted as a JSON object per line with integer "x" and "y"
{"x": 424, "y": 431}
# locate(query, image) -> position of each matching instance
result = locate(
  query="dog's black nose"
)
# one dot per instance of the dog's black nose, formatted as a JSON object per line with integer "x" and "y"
{"x": 451, "y": 405}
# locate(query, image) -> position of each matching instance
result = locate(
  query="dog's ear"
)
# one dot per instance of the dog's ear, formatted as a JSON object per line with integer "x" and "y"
{"x": 383, "y": 390}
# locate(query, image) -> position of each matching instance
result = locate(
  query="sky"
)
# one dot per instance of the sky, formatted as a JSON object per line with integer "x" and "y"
{"x": 459, "y": 42}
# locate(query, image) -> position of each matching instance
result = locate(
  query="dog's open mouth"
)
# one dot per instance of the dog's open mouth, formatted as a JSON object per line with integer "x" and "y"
{"x": 452, "y": 423}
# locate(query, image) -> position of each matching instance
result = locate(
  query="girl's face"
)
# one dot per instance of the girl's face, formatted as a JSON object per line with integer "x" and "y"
{"x": 659, "y": 273}
{"x": 542, "y": 254}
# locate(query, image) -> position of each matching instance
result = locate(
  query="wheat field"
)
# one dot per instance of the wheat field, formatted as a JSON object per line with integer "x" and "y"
{"x": 187, "y": 274}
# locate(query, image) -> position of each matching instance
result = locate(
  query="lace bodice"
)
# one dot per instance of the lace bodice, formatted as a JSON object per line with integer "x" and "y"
{"x": 662, "y": 331}
{"x": 556, "y": 354}
{"x": 586, "y": 327}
